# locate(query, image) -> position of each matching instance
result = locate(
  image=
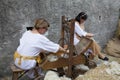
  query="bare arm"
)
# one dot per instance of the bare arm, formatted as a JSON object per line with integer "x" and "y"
{"x": 62, "y": 51}
{"x": 89, "y": 35}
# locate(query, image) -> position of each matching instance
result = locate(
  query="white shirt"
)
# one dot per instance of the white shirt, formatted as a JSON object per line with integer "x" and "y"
{"x": 32, "y": 44}
{"x": 79, "y": 31}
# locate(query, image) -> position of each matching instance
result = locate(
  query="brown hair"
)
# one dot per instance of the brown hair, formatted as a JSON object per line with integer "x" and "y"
{"x": 40, "y": 23}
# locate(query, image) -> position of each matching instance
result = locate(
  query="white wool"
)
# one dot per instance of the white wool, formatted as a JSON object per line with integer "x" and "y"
{"x": 82, "y": 67}
{"x": 52, "y": 58}
{"x": 64, "y": 78}
{"x": 51, "y": 75}
{"x": 65, "y": 55}
{"x": 114, "y": 68}
{"x": 80, "y": 75}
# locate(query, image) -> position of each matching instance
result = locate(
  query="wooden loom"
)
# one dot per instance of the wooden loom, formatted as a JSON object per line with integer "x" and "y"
{"x": 67, "y": 31}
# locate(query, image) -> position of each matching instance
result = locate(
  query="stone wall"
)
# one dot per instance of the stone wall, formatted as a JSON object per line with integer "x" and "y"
{"x": 16, "y": 15}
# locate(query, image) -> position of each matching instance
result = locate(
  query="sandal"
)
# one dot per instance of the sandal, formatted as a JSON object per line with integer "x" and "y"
{"x": 104, "y": 59}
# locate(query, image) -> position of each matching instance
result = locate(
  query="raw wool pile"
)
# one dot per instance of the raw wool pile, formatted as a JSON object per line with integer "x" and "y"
{"x": 106, "y": 71}
{"x": 113, "y": 47}
{"x": 51, "y": 75}
{"x": 118, "y": 29}
{"x": 52, "y": 58}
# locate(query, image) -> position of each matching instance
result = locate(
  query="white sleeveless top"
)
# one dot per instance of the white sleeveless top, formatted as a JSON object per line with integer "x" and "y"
{"x": 79, "y": 31}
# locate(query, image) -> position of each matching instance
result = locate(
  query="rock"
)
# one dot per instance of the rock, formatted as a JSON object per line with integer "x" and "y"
{"x": 113, "y": 48}
{"x": 101, "y": 72}
{"x": 114, "y": 68}
{"x": 51, "y": 75}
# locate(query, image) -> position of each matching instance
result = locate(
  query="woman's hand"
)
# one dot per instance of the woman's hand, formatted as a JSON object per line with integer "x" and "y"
{"x": 62, "y": 51}
{"x": 89, "y": 35}
{"x": 67, "y": 51}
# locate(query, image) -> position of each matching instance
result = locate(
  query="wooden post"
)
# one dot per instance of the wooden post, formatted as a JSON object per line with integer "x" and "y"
{"x": 71, "y": 47}
{"x": 62, "y": 30}
{"x": 15, "y": 76}
{"x": 60, "y": 70}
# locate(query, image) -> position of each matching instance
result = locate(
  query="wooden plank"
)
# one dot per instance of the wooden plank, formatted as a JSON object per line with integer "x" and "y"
{"x": 15, "y": 68}
{"x": 62, "y": 62}
{"x": 80, "y": 59}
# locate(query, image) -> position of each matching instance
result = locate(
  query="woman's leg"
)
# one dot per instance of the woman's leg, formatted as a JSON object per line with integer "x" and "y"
{"x": 97, "y": 50}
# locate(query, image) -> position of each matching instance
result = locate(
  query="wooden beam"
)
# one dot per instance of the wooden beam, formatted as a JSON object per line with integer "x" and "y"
{"x": 71, "y": 48}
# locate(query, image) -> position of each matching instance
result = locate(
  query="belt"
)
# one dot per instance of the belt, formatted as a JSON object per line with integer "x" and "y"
{"x": 17, "y": 55}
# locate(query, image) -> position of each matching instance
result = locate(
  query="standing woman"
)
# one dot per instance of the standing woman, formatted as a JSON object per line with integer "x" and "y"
{"x": 31, "y": 44}
{"x": 79, "y": 31}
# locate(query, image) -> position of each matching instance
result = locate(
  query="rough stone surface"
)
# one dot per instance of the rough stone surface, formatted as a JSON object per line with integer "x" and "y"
{"x": 105, "y": 71}
{"x": 16, "y": 15}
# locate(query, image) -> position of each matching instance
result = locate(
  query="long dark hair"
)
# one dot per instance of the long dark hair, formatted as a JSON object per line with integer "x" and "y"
{"x": 81, "y": 15}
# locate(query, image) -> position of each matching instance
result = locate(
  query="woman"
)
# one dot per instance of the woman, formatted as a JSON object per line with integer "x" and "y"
{"x": 32, "y": 43}
{"x": 79, "y": 31}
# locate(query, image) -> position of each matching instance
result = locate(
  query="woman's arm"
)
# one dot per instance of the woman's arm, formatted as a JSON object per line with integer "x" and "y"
{"x": 89, "y": 35}
{"x": 63, "y": 50}
{"x": 81, "y": 32}
{"x": 50, "y": 46}
{"x": 78, "y": 30}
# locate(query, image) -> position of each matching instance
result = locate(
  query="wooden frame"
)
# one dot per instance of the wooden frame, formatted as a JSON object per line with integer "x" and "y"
{"x": 68, "y": 25}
